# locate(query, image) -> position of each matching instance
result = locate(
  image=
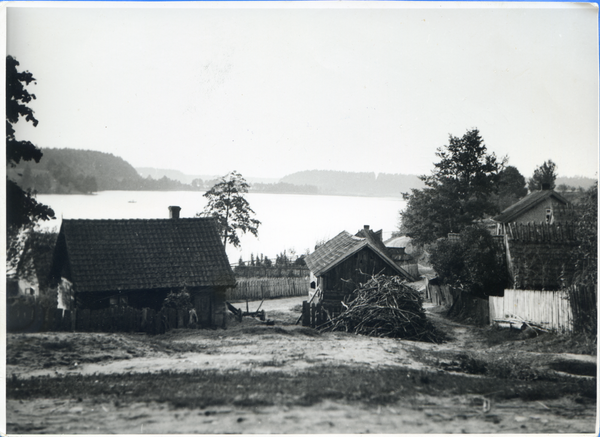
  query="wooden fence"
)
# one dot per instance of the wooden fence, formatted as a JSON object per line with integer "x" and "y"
{"x": 549, "y": 309}
{"x": 267, "y": 288}
{"x": 114, "y": 319}
{"x": 317, "y": 314}
{"x": 584, "y": 306}
{"x": 438, "y": 294}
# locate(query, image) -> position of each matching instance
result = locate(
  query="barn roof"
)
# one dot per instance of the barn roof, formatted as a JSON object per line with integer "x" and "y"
{"x": 343, "y": 246}
{"x": 526, "y": 203}
{"x": 106, "y": 255}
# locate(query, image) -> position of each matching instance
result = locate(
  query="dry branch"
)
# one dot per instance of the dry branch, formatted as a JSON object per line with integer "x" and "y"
{"x": 385, "y": 307}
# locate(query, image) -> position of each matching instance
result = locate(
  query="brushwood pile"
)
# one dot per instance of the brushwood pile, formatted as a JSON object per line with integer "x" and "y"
{"x": 385, "y": 307}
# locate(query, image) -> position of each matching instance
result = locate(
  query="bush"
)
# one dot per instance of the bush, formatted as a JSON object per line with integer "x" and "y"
{"x": 473, "y": 263}
{"x": 179, "y": 300}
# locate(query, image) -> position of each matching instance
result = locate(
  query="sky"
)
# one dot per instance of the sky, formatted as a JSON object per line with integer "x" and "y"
{"x": 272, "y": 89}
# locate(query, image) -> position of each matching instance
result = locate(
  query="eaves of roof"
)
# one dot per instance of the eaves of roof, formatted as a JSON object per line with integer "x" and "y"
{"x": 526, "y": 203}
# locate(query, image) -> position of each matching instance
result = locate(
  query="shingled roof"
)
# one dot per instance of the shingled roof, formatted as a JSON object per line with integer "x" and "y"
{"x": 527, "y": 203}
{"x": 340, "y": 248}
{"x": 104, "y": 255}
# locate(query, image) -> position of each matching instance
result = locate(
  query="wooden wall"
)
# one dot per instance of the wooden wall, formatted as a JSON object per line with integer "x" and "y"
{"x": 346, "y": 276}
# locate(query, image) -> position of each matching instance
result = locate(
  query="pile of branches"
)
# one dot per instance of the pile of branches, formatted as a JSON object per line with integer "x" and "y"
{"x": 385, "y": 307}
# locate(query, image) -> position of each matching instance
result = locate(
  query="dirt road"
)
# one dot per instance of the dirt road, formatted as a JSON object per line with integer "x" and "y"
{"x": 86, "y": 382}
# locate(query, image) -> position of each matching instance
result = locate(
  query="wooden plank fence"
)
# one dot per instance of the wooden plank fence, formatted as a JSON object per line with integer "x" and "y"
{"x": 114, "y": 319}
{"x": 317, "y": 314}
{"x": 267, "y": 288}
{"x": 549, "y": 309}
{"x": 438, "y": 294}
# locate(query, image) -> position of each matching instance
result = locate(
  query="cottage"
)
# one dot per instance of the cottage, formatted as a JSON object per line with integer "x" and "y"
{"x": 341, "y": 264}
{"x": 138, "y": 262}
{"x": 544, "y": 206}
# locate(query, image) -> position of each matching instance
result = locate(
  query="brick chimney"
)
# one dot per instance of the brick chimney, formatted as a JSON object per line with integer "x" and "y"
{"x": 174, "y": 212}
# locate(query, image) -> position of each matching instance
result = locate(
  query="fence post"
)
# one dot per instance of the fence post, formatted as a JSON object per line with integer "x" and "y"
{"x": 312, "y": 315}
{"x": 305, "y": 314}
{"x": 74, "y": 320}
{"x": 319, "y": 310}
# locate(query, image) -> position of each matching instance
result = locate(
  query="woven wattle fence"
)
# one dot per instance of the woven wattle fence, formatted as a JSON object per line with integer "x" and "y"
{"x": 268, "y": 288}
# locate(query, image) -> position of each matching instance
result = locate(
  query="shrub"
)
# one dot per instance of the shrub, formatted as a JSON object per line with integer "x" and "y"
{"x": 473, "y": 263}
{"x": 179, "y": 300}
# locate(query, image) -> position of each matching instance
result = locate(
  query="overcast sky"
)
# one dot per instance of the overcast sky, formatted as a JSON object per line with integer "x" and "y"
{"x": 269, "y": 91}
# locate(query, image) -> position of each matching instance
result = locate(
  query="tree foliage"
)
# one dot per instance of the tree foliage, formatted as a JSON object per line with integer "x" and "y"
{"x": 544, "y": 175}
{"x": 511, "y": 186}
{"x": 586, "y": 232}
{"x": 21, "y": 207}
{"x": 227, "y": 204}
{"x": 457, "y": 193}
{"x": 474, "y": 263}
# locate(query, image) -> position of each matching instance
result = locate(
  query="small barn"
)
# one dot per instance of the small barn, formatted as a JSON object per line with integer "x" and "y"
{"x": 137, "y": 262}
{"x": 342, "y": 263}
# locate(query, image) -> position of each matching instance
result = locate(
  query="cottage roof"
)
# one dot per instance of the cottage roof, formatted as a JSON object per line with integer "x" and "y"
{"x": 526, "y": 203}
{"x": 103, "y": 255}
{"x": 340, "y": 248}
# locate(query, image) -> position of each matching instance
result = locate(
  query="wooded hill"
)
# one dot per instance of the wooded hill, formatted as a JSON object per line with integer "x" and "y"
{"x": 357, "y": 184}
{"x": 68, "y": 171}
{"x": 71, "y": 171}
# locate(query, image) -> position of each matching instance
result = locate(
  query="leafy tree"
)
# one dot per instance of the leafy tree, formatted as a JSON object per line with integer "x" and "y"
{"x": 511, "y": 186}
{"x": 226, "y": 203}
{"x": 474, "y": 263}
{"x": 543, "y": 176}
{"x": 267, "y": 262}
{"x": 21, "y": 207}
{"x": 457, "y": 193}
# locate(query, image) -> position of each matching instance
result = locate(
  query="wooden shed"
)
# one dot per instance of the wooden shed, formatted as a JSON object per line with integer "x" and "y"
{"x": 341, "y": 264}
{"x": 138, "y": 262}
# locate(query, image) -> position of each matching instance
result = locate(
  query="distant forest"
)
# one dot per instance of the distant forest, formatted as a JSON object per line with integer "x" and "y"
{"x": 75, "y": 171}
{"x": 356, "y": 184}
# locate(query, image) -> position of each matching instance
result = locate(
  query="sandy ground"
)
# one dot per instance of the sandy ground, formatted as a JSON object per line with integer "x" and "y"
{"x": 250, "y": 345}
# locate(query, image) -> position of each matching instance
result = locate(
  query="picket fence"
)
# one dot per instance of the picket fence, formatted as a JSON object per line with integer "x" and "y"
{"x": 549, "y": 309}
{"x": 268, "y": 288}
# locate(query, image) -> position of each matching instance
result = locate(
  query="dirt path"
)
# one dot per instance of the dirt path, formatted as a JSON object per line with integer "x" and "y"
{"x": 283, "y": 348}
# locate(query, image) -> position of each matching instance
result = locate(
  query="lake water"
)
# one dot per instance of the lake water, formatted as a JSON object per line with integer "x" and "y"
{"x": 291, "y": 222}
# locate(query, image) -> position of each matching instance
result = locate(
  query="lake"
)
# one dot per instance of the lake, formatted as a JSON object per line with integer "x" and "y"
{"x": 291, "y": 222}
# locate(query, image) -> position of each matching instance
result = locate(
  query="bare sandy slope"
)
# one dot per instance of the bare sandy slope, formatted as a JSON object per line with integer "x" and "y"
{"x": 250, "y": 345}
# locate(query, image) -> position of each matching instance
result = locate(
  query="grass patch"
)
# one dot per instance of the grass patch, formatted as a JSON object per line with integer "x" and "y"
{"x": 201, "y": 389}
{"x": 575, "y": 367}
{"x": 544, "y": 342}
{"x": 58, "y": 345}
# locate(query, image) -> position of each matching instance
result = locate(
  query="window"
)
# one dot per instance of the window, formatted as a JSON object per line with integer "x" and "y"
{"x": 549, "y": 215}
